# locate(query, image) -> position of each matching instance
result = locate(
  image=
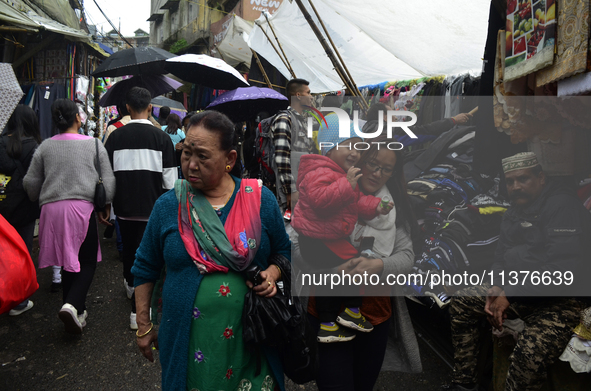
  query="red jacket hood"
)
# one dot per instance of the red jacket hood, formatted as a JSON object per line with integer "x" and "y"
{"x": 328, "y": 207}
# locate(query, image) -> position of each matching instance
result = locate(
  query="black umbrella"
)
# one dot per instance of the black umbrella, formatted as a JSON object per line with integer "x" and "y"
{"x": 156, "y": 84}
{"x": 134, "y": 61}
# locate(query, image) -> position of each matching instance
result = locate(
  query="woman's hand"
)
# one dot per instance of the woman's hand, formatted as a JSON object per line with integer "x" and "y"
{"x": 143, "y": 296}
{"x": 104, "y": 215}
{"x": 268, "y": 286}
{"x": 362, "y": 265}
{"x": 384, "y": 211}
{"x": 145, "y": 342}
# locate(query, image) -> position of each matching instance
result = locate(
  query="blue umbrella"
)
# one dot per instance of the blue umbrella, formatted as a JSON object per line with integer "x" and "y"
{"x": 245, "y": 103}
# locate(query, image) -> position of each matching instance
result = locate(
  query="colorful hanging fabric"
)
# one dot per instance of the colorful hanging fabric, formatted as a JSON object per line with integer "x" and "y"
{"x": 531, "y": 44}
{"x": 572, "y": 42}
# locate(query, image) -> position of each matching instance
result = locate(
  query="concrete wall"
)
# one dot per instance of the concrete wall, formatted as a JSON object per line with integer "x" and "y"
{"x": 191, "y": 22}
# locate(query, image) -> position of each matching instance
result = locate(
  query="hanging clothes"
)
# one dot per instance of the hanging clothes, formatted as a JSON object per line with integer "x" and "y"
{"x": 45, "y": 95}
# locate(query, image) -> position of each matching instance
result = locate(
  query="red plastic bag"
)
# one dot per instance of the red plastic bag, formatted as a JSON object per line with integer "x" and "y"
{"x": 18, "y": 278}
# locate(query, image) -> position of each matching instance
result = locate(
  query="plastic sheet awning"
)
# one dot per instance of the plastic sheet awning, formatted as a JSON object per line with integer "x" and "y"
{"x": 59, "y": 28}
{"x": 233, "y": 48}
{"x": 33, "y": 21}
{"x": 378, "y": 39}
{"x": 13, "y": 16}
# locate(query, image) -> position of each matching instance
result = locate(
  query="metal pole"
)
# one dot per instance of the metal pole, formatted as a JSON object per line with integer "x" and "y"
{"x": 262, "y": 69}
{"x": 280, "y": 46}
{"x": 355, "y": 90}
{"x": 338, "y": 68}
{"x": 277, "y": 51}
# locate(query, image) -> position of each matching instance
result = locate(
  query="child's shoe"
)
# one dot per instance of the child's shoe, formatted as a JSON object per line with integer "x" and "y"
{"x": 334, "y": 333}
{"x": 354, "y": 321}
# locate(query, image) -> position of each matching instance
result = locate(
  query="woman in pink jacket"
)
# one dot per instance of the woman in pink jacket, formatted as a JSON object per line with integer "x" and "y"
{"x": 329, "y": 205}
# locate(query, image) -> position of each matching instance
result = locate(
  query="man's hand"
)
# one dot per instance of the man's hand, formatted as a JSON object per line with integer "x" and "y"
{"x": 462, "y": 118}
{"x": 104, "y": 215}
{"x": 496, "y": 307}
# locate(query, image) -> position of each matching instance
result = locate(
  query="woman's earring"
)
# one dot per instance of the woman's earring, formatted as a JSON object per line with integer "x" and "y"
{"x": 228, "y": 167}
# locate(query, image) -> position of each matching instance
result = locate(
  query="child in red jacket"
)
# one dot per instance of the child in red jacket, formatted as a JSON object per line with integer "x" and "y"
{"x": 329, "y": 205}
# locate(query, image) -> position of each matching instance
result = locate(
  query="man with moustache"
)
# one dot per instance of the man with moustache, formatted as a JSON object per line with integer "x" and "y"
{"x": 546, "y": 229}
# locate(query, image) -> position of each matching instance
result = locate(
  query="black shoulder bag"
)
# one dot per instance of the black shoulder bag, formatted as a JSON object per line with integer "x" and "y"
{"x": 100, "y": 195}
{"x": 282, "y": 322}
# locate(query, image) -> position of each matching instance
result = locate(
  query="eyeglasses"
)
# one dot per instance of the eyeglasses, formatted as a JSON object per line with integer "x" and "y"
{"x": 371, "y": 166}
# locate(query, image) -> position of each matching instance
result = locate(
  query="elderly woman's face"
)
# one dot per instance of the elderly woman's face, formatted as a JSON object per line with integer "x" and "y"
{"x": 377, "y": 171}
{"x": 202, "y": 161}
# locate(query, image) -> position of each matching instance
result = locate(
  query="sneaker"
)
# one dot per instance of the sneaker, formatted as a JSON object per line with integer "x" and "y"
{"x": 441, "y": 299}
{"x": 82, "y": 318}
{"x": 69, "y": 316}
{"x": 132, "y": 321}
{"x": 354, "y": 321}
{"x": 55, "y": 287}
{"x": 128, "y": 289}
{"x": 16, "y": 311}
{"x": 330, "y": 334}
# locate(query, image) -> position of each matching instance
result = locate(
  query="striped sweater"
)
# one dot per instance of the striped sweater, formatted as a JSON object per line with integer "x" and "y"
{"x": 143, "y": 160}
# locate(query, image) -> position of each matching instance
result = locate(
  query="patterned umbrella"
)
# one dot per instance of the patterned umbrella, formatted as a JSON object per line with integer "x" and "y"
{"x": 175, "y": 106}
{"x": 156, "y": 84}
{"x": 10, "y": 93}
{"x": 244, "y": 104}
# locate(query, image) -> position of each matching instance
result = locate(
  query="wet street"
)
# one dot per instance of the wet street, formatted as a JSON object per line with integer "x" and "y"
{"x": 36, "y": 353}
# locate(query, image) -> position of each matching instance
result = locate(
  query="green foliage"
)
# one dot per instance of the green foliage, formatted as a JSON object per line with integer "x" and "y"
{"x": 178, "y": 46}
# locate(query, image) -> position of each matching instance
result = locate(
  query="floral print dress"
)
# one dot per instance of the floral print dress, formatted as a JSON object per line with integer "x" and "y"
{"x": 218, "y": 357}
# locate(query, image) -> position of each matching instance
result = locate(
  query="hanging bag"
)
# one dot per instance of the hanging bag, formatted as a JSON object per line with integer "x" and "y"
{"x": 18, "y": 279}
{"x": 100, "y": 196}
{"x": 282, "y": 322}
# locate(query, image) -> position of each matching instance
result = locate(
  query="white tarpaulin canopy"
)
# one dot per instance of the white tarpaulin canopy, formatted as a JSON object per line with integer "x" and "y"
{"x": 379, "y": 40}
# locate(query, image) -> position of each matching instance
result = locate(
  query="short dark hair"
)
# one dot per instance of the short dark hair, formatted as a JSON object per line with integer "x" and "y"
{"x": 331, "y": 101}
{"x": 164, "y": 113}
{"x": 536, "y": 170}
{"x": 122, "y": 109}
{"x": 188, "y": 118}
{"x": 219, "y": 123}
{"x": 138, "y": 99}
{"x": 294, "y": 86}
{"x": 373, "y": 112}
{"x": 63, "y": 113}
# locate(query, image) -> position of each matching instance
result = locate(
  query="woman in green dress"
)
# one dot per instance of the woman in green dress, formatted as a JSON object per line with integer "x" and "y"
{"x": 208, "y": 231}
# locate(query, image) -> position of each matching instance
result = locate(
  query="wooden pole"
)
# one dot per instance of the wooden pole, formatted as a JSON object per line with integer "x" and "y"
{"x": 277, "y": 51}
{"x": 355, "y": 90}
{"x": 262, "y": 69}
{"x": 280, "y": 46}
{"x": 338, "y": 68}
